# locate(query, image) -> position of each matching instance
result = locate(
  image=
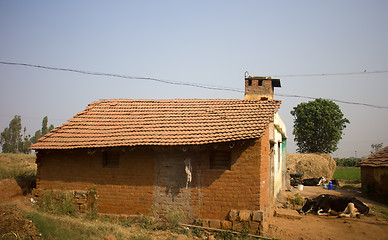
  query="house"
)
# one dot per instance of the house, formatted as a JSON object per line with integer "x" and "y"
{"x": 374, "y": 172}
{"x": 202, "y": 156}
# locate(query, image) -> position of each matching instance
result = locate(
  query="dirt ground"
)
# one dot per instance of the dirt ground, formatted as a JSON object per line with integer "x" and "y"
{"x": 12, "y": 224}
{"x": 288, "y": 224}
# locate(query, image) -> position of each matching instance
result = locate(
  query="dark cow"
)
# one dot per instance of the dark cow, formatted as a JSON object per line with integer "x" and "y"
{"x": 313, "y": 181}
{"x": 335, "y": 183}
{"x": 329, "y": 204}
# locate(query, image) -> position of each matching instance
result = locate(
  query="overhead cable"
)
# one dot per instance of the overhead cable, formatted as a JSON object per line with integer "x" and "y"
{"x": 330, "y": 74}
{"x": 206, "y": 86}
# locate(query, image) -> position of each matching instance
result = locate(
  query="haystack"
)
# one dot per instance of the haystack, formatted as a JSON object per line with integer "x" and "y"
{"x": 311, "y": 165}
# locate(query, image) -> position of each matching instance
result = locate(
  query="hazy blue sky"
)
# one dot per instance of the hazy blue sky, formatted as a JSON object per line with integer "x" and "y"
{"x": 207, "y": 42}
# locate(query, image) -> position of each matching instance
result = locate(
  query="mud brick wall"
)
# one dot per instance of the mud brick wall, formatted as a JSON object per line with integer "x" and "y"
{"x": 244, "y": 186}
{"x": 152, "y": 180}
{"x": 127, "y": 189}
{"x": 170, "y": 191}
{"x": 375, "y": 179}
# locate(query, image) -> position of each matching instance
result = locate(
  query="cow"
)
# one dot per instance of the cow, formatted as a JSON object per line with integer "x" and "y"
{"x": 313, "y": 181}
{"x": 342, "y": 206}
{"x": 335, "y": 183}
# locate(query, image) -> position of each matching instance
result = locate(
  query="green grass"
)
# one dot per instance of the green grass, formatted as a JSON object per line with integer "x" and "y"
{"x": 347, "y": 173}
{"x": 57, "y": 203}
{"x": 14, "y": 165}
{"x": 60, "y": 227}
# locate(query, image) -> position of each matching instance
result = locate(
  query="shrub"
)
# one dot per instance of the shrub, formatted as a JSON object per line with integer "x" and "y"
{"x": 347, "y": 162}
{"x": 147, "y": 222}
{"x": 92, "y": 203}
{"x": 58, "y": 203}
{"x": 173, "y": 218}
{"x": 297, "y": 200}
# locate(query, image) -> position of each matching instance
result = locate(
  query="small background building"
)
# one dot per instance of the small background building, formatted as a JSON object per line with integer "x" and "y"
{"x": 374, "y": 172}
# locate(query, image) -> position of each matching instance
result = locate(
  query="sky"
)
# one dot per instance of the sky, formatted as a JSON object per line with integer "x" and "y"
{"x": 201, "y": 42}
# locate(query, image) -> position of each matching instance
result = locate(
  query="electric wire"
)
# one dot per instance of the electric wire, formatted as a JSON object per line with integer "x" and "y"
{"x": 330, "y": 74}
{"x": 207, "y": 86}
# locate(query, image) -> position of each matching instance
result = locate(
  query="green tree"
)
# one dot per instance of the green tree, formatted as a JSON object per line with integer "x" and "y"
{"x": 11, "y": 137}
{"x": 35, "y": 138}
{"x": 44, "y": 126}
{"x": 5, "y": 140}
{"x": 40, "y": 133}
{"x": 375, "y": 147}
{"x": 25, "y": 143}
{"x": 318, "y": 126}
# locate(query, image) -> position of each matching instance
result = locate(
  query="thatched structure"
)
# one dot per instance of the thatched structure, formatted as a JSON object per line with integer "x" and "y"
{"x": 311, "y": 165}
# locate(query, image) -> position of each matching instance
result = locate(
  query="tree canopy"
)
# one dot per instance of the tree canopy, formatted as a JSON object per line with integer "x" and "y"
{"x": 318, "y": 126}
{"x": 40, "y": 133}
{"x": 11, "y": 138}
{"x": 375, "y": 147}
{"x": 13, "y": 141}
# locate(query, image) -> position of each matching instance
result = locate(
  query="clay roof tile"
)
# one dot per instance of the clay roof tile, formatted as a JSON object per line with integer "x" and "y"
{"x": 126, "y": 122}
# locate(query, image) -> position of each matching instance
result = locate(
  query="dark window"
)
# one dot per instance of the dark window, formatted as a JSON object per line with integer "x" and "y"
{"x": 260, "y": 82}
{"x": 250, "y": 82}
{"x": 220, "y": 160}
{"x": 110, "y": 159}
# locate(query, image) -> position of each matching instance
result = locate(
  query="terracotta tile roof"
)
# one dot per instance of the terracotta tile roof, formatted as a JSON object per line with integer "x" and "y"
{"x": 125, "y": 122}
{"x": 377, "y": 159}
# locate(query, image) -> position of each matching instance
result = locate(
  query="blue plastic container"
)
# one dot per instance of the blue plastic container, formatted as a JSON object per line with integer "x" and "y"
{"x": 330, "y": 186}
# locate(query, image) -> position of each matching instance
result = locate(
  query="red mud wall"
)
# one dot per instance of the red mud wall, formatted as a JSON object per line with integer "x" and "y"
{"x": 124, "y": 190}
{"x": 153, "y": 180}
{"x": 375, "y": 179}
{"x": 244, "y": 187}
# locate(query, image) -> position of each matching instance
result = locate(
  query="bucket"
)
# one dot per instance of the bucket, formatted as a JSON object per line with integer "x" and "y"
{"x": 300, "y": 187}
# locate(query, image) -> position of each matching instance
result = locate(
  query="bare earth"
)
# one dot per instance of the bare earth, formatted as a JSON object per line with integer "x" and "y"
{"x": 288, "y": 224}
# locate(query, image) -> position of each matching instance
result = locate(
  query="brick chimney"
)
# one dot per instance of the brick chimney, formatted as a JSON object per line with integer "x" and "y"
{"x": 260, "y": 88}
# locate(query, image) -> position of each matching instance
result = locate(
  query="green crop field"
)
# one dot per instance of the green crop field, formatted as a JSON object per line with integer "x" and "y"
{"x": 347, "y": 173}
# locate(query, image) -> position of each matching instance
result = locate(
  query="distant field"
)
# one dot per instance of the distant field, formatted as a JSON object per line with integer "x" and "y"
{"x": 15, "y": 165}
{"x": 347, "y": 173}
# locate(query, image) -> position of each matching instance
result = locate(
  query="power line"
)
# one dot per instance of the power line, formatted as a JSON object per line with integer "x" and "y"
{"x": 206, "y": 86}
{"x": 334, "y": 100}
{"x": 330, "y": 74}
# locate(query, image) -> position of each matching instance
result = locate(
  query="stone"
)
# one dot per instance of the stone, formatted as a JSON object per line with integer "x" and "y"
{"x": 254, "y": 227}
{"x": 233, "y": 215}
{"x": 198, "y": 222}
{"x": 244, "y": 215}
{"x": 110, "y": 237}
{"x": 238, "y": 226}
{"x": 205, "y": 222}
{"x": 286, "y": 213}
{"x": 214, "y": 223}
{"x": 257, "y": 216}
{"x": 227, "y": 225}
